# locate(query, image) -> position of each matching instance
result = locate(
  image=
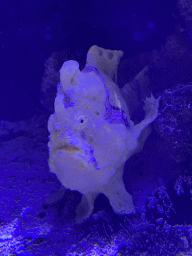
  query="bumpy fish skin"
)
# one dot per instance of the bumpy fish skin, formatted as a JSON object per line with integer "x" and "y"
{"x": 91, "y": 134}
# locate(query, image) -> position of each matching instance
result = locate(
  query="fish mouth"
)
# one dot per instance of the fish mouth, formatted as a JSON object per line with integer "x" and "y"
{"x": 67, "y": 147}
{"x": 87, "y": 157}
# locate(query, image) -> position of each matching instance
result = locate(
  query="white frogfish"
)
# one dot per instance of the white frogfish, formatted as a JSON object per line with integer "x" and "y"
{"x": 91, "y": 134}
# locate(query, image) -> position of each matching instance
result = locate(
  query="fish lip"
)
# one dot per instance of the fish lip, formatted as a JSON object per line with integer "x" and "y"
{"x": 67, "y": 147}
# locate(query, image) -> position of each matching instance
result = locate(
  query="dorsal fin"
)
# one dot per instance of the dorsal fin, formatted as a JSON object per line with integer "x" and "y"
{"x": 106, "y": 61}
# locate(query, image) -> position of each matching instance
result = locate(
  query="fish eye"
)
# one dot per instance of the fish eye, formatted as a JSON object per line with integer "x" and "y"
{"x": 82, "y": 119}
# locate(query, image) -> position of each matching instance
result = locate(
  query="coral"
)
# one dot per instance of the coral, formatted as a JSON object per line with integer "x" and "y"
{"x": 174, "y": 121}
